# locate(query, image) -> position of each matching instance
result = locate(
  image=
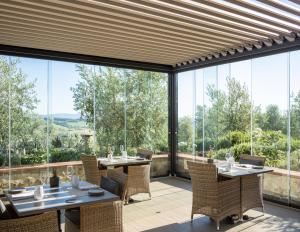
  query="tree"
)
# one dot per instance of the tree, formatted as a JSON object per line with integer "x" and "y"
{"x": 230, "y": 111}
{"x": 18, "y": 98}
{"x": 273, "y": 120}
{"x": 295, "y": 117}
{"x": 127, "y": 103}
{"x": 185, "y": 133}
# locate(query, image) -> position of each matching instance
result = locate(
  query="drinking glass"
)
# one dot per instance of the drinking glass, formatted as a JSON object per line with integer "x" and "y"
{"x": 70, "y": 172}
{"x": 112, "y": 150}
{"x": 44, "y": 177}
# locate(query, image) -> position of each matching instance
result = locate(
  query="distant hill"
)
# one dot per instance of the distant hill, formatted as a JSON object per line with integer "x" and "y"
{"x": 64, "y": 116}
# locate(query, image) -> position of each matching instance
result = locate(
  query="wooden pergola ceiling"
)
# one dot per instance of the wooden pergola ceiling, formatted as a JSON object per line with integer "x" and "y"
{"x": 171, "y": 32}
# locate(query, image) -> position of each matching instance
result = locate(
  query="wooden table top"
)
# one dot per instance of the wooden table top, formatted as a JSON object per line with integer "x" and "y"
{"x": 237, "y": 171}
{"x": 55, "y": 199}
{"x": 119, "y": 161}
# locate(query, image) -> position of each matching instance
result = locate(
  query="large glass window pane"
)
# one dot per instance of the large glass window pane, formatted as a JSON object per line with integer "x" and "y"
{"x": 211, "y": 107}
{"x": 269, "y": 94}
{"x": 186, "y": 108}
{"x": 28, "y": 112}
{"x": 295, "y": 127}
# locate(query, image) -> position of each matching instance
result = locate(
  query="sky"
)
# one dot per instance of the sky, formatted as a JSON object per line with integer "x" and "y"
{"x": 269, "y": 82}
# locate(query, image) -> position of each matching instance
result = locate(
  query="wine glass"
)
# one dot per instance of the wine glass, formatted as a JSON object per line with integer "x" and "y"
{"x": 227, "y": 156}
{"x": 70, "y": 172}
{"x": 112, "y": 150}
{"x": 44, "y": 177}
{"x": 121, "y": 149}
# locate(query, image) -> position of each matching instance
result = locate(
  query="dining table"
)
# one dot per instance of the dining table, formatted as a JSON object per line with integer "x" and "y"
{"x": 239, "y": 171}
{"x": 119, "y": 161}
{"x": 56, "y": 199}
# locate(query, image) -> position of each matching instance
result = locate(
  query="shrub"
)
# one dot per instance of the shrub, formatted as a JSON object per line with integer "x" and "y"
{"x": 64, "y": 155}
{"x": 37, "y": 157}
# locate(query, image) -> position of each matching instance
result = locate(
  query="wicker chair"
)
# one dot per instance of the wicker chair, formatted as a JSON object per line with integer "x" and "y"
{"x": 252, "y": 195}
{"x": 146, "y": 154}
{"x": 46, "y": 222}
{"x": 138, "y": 181}
{"x": 102, "y": 217}
{"x": 213, "y": 198}
{"x": 119, "y": 176}
{"x": 92, "y": 171}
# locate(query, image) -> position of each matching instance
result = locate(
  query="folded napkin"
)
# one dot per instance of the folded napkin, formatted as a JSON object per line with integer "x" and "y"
{"x": 21, "y": 196}
{"x": 83, "y": 185}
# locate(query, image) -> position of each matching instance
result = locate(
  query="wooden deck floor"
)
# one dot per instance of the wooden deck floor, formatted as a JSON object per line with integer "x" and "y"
{"x": 170, "y": 209}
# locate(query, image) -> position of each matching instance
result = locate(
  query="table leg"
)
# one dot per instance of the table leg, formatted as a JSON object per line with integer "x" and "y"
{"x": 241, "y": 200}
{"x": 59, "y": 220}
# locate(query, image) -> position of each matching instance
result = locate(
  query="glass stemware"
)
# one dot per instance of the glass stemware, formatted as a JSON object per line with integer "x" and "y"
{"x": 44, "y": 177}
{"x": 70, "y": 172}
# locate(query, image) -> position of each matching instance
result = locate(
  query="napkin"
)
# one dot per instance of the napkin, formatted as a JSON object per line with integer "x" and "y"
{"x": 21, "y": 196}
{"x": 83, "y": 185}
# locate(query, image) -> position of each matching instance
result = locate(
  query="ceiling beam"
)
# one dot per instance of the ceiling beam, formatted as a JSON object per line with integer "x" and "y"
{"x": 79, "y": 58}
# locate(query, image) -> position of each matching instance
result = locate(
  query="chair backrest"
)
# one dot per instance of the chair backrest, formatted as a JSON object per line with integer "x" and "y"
{"x": 139, "y": 171}
{"x": 251, "y": 159}
{"x": 110, "y": 185}
{"x": 90, "y": 166}
{"x": 204, "y": 177}
{"x": 146, "y": 154}
{"x": 4, "y": 214}
{"x": 104, "y": 217}
{"x": 46, "y": 222}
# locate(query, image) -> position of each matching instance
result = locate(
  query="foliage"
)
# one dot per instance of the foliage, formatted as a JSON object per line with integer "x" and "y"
{"x": 35, "y": 157}
{"x": 141, "y": 95}
{"x": 64, "y": 154}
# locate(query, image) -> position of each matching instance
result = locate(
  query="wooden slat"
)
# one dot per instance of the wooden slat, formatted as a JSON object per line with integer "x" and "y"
{"x": 189, "y": 19}
{"x": 164, "y": 23}
{"x": 20, "y": 27}
{"x": 206, "y": 14}
{"x": 155, "y": 31}
{"x": 241, "y": 13}
{"x": 80, "y": 48}
{"x": 282, "y": 6}
{"x": 86, "y": 19}
{"x": 268, "y": 12}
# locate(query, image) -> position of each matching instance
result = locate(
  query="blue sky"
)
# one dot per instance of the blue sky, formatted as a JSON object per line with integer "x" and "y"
{"x": 269, "y": 82}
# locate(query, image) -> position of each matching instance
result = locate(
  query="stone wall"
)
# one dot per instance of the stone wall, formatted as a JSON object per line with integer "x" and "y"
{"x": 33, "y": 175}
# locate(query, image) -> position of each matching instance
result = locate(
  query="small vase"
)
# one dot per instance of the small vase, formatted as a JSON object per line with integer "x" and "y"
{"x": 210, "y": 160}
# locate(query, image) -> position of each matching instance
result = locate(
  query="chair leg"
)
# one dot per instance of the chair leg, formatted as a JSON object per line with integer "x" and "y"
{"x": 192, "y": 216}
{"x": 150, "y": 195}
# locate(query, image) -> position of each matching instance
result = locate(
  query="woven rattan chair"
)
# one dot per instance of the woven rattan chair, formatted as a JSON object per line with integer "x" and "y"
{"x": 252, "y": 194}
{"x": 118, "y": 175}
{"x": 138, "y": 181}
{"x": 102, "y": 217}
{"x": 146, "y": 154}
{"x": 46, "y": 222}
{"x": 92, "y": 171}
{"x": 213, "y": 198}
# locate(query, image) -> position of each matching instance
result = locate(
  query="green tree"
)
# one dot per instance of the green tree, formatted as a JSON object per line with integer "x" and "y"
{"x": 295, "y": 116}
{"x": 185, "y": 133}
{"x": 273, "y": 120}
{"x": 18, "y": 97}
{"x": 141, "y": 95}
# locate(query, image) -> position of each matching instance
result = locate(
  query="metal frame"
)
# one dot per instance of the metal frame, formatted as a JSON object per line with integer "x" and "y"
{"x": 286, "y": 46}
{"x": 172, "y": 73}
{"x": 80, "y": 58}
{"x": 173, "y": 119}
